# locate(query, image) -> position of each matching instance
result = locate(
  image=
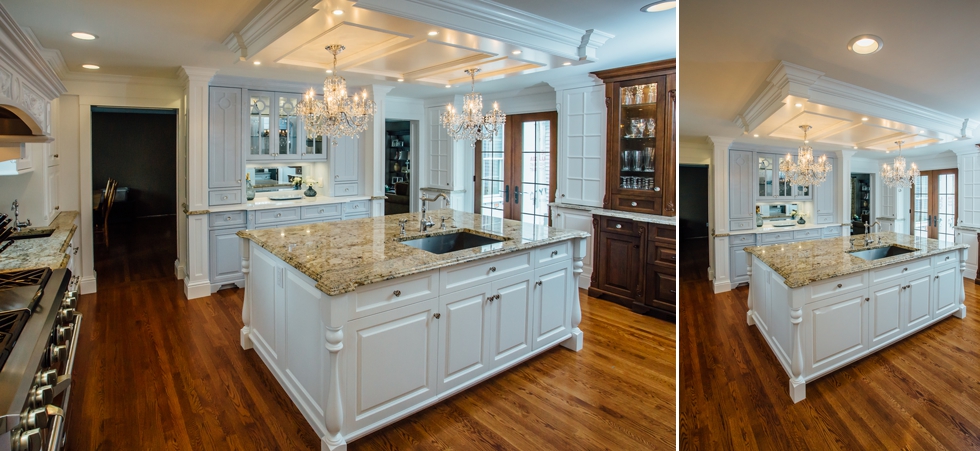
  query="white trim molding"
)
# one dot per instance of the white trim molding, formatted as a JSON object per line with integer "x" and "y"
{"x": 277, "y": 18}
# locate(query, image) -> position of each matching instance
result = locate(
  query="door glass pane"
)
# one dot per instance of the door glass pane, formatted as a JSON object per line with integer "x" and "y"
{"x": 492, "y": 178}
{"x": 288, "y": 125}
{"x": 946, "y": 216}
{"x": 638, "y": 138}
{"x": 536, "y": 172}
{"x": 765, "y": 176}
{"x": 260, "y": 109}
{"x": 920, "y": 207}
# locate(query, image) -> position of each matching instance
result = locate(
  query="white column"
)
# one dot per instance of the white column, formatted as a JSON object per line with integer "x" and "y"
{"x": 718, "y": 211}
{"x": 196, "y": 281}
{"x": 843, "y": 201}
{"x": 372, "y": 147}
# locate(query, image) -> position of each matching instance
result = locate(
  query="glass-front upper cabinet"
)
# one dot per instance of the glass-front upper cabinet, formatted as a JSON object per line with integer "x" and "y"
{"x": 260, "y": 126}
{"x": 638, "y": 140}
{"x": 766, "y": 168}
{"x": 314, "y": 147}
{"x": 289, "y": 125}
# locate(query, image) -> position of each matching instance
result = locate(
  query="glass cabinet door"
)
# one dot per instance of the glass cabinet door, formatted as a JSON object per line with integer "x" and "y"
{"x": 783, "y": 189}
{"x": 638, "y": 137}
{"x": 802, "y": 191}
{"x": 313, "y": 146}
{"x": 260, "y": 125}
{"x": 766, "y": 168}
{"x": 288, "y": 126}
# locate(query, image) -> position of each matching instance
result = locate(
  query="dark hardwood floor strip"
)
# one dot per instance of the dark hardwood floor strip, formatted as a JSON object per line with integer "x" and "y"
{"x": 158, "y": 372}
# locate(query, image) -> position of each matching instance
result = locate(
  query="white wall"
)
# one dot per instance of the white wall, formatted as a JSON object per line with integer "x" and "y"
{"x": 28, "y": 189}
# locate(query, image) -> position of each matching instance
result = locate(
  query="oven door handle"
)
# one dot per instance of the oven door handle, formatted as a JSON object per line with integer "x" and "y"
{"x": 56, "y": 417}
{"x": 76, "y": 330}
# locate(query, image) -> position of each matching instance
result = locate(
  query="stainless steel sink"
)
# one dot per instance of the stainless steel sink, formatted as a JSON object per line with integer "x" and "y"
{"x": 881, "y": 252}
{"x": 442, "y": 244}
{"x": 31, "y": 233}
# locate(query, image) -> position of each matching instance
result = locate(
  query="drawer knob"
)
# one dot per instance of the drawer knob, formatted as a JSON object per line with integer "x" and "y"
{"x": 867, "y": 299}
{"x": 904, "y": 269}
{"x": 346, "y": 189}
{"x": 436, "y": 315}
{"x": 492, "y": 298}
{"x": 58, "y": 207}
{"x": 937, "y": 277}
{"x": 397, "y": 293}
{"x": 538, "y": 283}
{"x": 493, "y": 269}
{"x": 356, "y": 206}
{"x": 278, "y": 215}
{"x": 619, "y": 226}
{"x": 656, "y": 188}
{"x": 224, "y": 197}
{"x": 321, "y": 210}
{"x": 632, "y": 204}
{"x": 558, "y": 214}
{"x": 947, "y": 258}
{"x": 840, "y": 285}
{"x": 554, "y": 253}
{"x": 336, "y": 177}
{"x": 227, "y": 218}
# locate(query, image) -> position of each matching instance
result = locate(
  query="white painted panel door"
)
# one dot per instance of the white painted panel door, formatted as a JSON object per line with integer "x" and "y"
{"x": 918, "y": 299}
{"x": 824, "y": 196}
{"x": 304, "y": 339}
{"x": 225, "y": 135}
{"x": 582, "y": 221}
{"x": 226, "y": 255}
{"x": 263, "y": 297}
{"x": 946, "y": 290}
{"x": 343, "y": 160}
{"x": 510, "y": 319}
{"x": 464, "y": 336}
{"x": 51, "y": 195}
{"x": 886, "y": 313}
{"x": 742, "y": 173}
{"x": 552, "y": 315}
{"x": 838, "y": 331}
{"x": 438, "y": 152}
{"x": 582, "y": 146}
{"x": 392, "y": 362}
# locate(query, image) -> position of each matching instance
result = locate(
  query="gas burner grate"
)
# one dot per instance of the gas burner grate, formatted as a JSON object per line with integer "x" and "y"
{"x": 11, "y": 324}
{"x": 27, "y": 277}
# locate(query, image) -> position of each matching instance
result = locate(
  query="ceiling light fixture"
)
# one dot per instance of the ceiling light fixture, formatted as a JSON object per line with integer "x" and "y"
{"x": 659, "y": 5}
{"x": 401, "y": 80}
{"x": 799, "y": 105}
{"x": 755, "y": 135}
{"x": 805, "y": 171}
{"x": 433, "y": 33}
{"x": 449, "y": 86}
{"x": 84, "y": 36}
{"x": 896, "y": 175}
{"x": 516, "y": 52}
{"x": 471, "y": 124}
{"x": 337, "y": 115}
{"x": 257, "y": 63}
{"x": 864, "y": 119}
{"x": 90, "y": 66}
{"x": 338, "y": 12}
{"x": 865, "y": 44}
{"x": 566, "y": 63}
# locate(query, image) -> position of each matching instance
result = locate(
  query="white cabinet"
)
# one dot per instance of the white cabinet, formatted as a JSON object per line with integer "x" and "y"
{"x": 465, "y": 332}
{"x": 823, "y": 196}
{"x": 510, "y": 320}
{"x": 51, "y": 198}
{"x": 917, "y": 309}
{"x": 947, "y": 277}
{"x": 838, "y": 330}
{"x": 225, "y": 134}
{"x": 885, "y": 304}
{"x": 582, "y": 146}
{"x": 438, "y": 152}
{"x": 226, "y": 258}
{"x": 344, "y": 167}
{"x": 552, "y": 317}
{"x": 572, "y": 219}
{"x": 742, "y": 170}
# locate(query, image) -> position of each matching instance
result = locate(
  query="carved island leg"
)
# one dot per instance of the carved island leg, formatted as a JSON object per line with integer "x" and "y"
{"x": 247, "y": 301}
{"x": 576, "y": 341}
{"x": 797, "y": 386}
{"x": 961, "y": 312}
{"x": 334, "y": 412}
{"x": 749, "y": 319}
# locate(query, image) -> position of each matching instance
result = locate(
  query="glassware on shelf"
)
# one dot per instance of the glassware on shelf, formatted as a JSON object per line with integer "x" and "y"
{"x": 626, "y": 155}
{"x": 648, "y": 158}
{"x": 651, "y": 96}
{"x": 636, "y": 163}
{"x": 628, "y": 98}
{"x": 651, "y": 127}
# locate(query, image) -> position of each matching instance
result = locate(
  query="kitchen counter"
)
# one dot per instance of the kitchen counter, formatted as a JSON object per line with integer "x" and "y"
{"x": 340, "y": 256}
{"x": 264, "y": 203}
{"x": 806, "y": 262}
{"x": 642, "y": 217}
{"x": 48, "y": 252}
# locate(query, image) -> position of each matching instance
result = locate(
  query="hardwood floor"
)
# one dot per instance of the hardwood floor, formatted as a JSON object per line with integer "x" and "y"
{"x": 921, "y": 393}
{"x": 156, "y": 371}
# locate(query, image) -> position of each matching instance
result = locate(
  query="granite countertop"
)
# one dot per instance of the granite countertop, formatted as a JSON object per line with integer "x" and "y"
{"x": 809, "y": 261}
{"x": 42, "y": 252}
{"x": 771, "y": 229}
{"x": 264, "y": 203}
{"x": 343, "y": 255}
{"x": 642, "y": 217}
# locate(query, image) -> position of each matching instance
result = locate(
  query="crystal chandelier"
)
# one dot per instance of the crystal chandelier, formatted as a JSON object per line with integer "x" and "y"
{"x": 337, "y": 114}
{"x": 806, "y": 171}
{"x": 472, "y": 124}
{"x": 897, "y": 175}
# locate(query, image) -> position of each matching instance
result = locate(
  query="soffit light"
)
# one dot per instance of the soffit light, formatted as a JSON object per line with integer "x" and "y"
{"x": 90, "y": 66}
{"x": 805, "y": 171}
{"x": 337, "y": 115}
{"x": 660, "y": 5}
{"x": 471, "y": 124}
{"x": 84, "y": 36}
{"x": 897, "y": 175}
{"x": 865, "y": 44}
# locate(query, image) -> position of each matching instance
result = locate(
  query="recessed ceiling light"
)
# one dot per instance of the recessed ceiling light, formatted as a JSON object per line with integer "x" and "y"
{"x": 864, "y": 119}
{"x": 83, "y": 36}
{"x": 566, "y": 63}
{"x": 922, "y": 131}
{"x": 798, "y": 105}
{"x": 257, "y": 63}
{"x": 865, "y": 44}
{"x": 401, "y": 80}
{"x": 659, "y": 5}
{"x": 90, "y": 66}
{"x": 338, "y": 12}
{"x": 449, "y": 86}
{"x": 433, "y": 33}
{"x": 516, "y": 52}
{"x": 855, "y": 147}
{"x": 755, "y": 135}
{"x": 329, "y": 71}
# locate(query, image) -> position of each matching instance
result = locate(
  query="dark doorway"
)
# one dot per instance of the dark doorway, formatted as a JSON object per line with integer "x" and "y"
{"x": 693, "y": 194}
{"x": 398, "y": 166}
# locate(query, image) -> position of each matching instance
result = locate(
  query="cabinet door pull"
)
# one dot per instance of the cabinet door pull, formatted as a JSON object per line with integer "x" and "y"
{"x": 619, "y": 226}
{"x": 636, "y": 246}
{"x": 558, "y": 214}
{"x": 538, "y": 283}
{"x": 656, "y": 188}
{"x": 436, "y": 315}
{"x": 947, "y": 258}
{"x": 227, "y": 218}
{"x": 673, "y": 291}
{"x": 336, "y": 177}
{"x": 904, "y": 269}
{"x": 224, "y": 197}
{"x": 517, "y": 194}
{"x": 632, "y": 204}
{"x": 554, "y": 253}
{"x": 397, "y": 293}
{"x": 493, "y": 269}
{"x": 840, "y": 285}
{"x": 76, "y": 251}
{"x": 278, "y": 215}
{"x": 867, "y": 299}
{"x": 937, "y": 277}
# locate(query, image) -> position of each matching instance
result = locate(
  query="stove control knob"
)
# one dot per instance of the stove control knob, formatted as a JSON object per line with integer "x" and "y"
{"x": 40, "y": 396}
{"x": 46, "y": 377}
{"x": 57, "y": 354}
{"x": 66, "y": 315}
{"x": 69, "y": 302}
{"x": 63, "y": 333}
{"x": 35, "y": 418}
{"x": 26, "y": 440}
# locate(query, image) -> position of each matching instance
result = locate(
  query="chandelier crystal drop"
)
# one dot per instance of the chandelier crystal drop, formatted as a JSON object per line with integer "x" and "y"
{"x": 806, "y": 171}
{"x": 471, "y": 124}
{"x": 338, "y": 114}
{"x": 897, "y": 175}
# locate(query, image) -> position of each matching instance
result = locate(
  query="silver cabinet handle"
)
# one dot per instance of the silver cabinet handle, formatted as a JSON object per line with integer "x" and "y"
{"x": 278, "y": 215}
{"x": 554, "y": 253}
{"x": 493, "y": 269}
{"x": 239, "y": 181}
{"x": 227, "y": 218}
{"x": 632, "y": 204}
{"x": 321, "y": 210}
{"x": 656, "y": 188}
{"x": 224, "y": 197}
{"x": 538, "y": 283}
{"x": 619, "y": 226}
{"x": 346, "y": 189}
{"x": 336, "y": 177}
{"x": 436, "y": 315}
{"x": 397, "y": 293}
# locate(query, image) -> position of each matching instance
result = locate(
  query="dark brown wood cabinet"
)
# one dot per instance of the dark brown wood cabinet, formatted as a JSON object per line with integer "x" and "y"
{"x": 635, "y": 265}
{"x": 641, "y": 138}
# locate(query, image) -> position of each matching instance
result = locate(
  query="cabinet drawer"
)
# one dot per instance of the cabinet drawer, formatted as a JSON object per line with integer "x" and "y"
{"x": 831, "y": 231}
{"x": 617, "y": 225}
{"x": 900, "y": 270}
{"x": 777, "y": 237}
{"x": 321, "y": 211}
{"x": 663, "y": 233}
{"x": 277, "y": 215}
{"x": 838, "y": 285}
{"x": 808, "y": 234}
{"x": 741, "y": 224}
{"x": 552, "y": 253}
{"x": 663, "y": 254}
{"x": 359, "y": 206}
{"x": 644, "y": 205}
{"x": 225, "y": 197}
{"x": 742, "y": 240}
{"x": 666, "y": 288}
{"x": 227, "y": 219}
{"x": 345, "y": 189}
{"x": 396, "y": 292}
{"x": 482, "y": 271}
{"x": 825, "y": 219}
{"x": 949, "y": 258}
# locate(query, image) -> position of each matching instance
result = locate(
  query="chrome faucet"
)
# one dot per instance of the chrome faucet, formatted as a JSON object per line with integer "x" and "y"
{"x": 424, "y": 221}
{"x": 867, "y": 233}
{"x": 15, "y": 207}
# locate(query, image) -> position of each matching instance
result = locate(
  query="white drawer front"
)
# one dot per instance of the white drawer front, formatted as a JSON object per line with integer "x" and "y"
{"x": 390, "y": 293}
{"x": 948, "y": 258}
{"x": 808, "y": 234}
{"x": 741, "y": 224}
{"x": 552, "y": 253}
{"x": 838, "y": 285}
{"x": 743, "y": 240}
{"x": 900, "y": 270}
{"x": 227, "y": 219}
{"x": 357, "y": 206}
{"x": 226, "y": 197}
{"x": 321, "y": 211}
{"x": 777, "y": 237}
{"x": 831, "y": 231}
{"x": 276, "y": 216}
{"x": 482, "y": 271}
{"x": 344, "y": 189}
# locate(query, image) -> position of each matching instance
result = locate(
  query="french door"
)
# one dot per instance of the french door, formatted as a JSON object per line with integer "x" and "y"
{"x": 934, "y": 205}
{"x": 515, "y": 171}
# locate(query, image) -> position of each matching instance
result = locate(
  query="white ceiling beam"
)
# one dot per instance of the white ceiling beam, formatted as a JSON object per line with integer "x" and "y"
{"x": 449, "y": 66}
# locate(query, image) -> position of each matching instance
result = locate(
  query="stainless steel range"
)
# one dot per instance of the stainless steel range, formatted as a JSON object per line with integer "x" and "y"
{"x": 38, "y": 339}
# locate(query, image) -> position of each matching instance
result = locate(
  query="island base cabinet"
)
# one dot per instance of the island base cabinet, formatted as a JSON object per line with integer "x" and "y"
{"x": 946, "y": 291}
{"x": 838, "y": 331}
{"x": 466, "y": 333}
{"x": 510, "y": 319}
{"x": 552, "y": 317}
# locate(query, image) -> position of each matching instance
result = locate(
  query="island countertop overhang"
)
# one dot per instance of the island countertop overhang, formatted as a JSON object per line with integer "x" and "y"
{"x": 802, "y": 263}
{"x": 340, "y": 256}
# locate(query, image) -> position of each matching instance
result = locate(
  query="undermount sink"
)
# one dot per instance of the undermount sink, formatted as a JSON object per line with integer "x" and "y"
{"x": 881, "y": 252}
{"x": 31, "y": 233}
{"x": 452, "y": 242}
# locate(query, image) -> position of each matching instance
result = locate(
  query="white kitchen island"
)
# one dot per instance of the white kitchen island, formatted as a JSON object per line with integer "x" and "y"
{"x": 821, "y": 306}
{"x": 362, "y": 330}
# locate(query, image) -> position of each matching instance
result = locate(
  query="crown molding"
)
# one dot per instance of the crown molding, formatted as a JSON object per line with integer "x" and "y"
{"x": 264, "y": 84}
{"x": 576, "y": 81}
{"x": 52, "y": 56}
{"x": 195, "y": 74}
{"x": 275, "y": 19}
{"x": 89, "y": 77}
{"x": 19, "y": 55}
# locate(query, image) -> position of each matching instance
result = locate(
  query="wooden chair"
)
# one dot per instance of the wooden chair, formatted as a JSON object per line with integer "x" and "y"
{"x": 105, "y": 206}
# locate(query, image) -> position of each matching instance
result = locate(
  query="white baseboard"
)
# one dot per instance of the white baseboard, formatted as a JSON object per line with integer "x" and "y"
{"x": 585, "y": 279}
{"x": 197, "y": 290}
{"x": 86, "y": 285}
{"x": 179, "y": 272}
{"x": 721, "y": 287}
{"x": 711, "y": 273}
